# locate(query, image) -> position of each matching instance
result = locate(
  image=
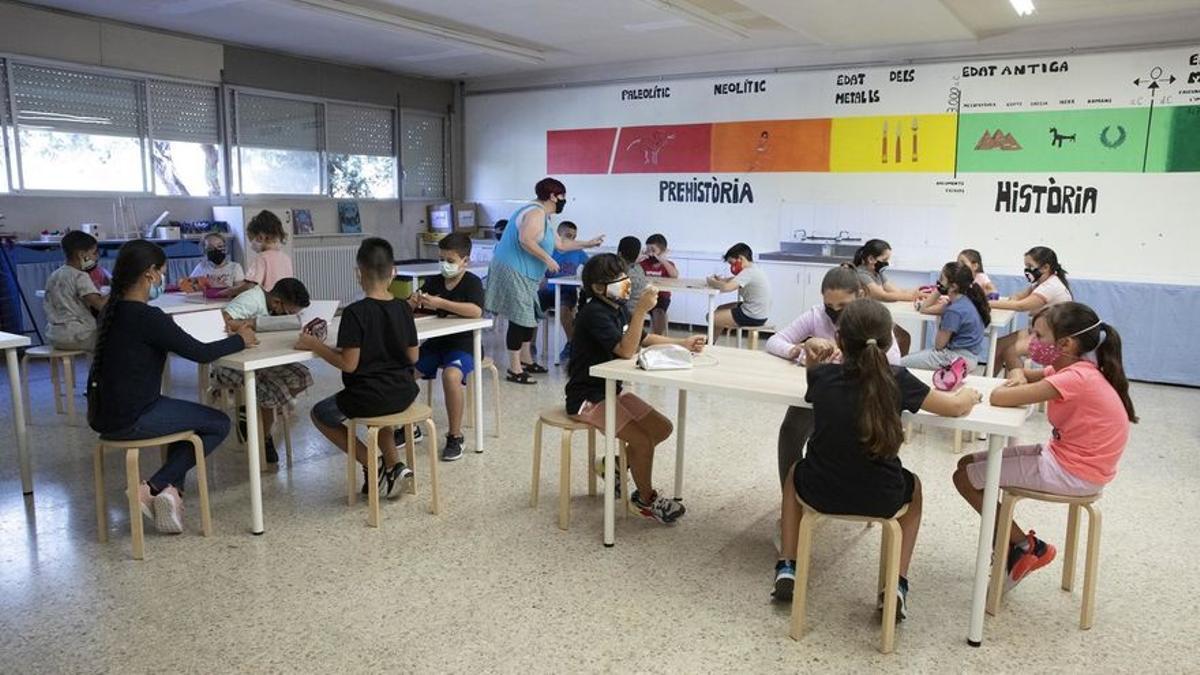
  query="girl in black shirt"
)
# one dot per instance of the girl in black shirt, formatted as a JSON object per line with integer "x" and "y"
{"x": 125, "y": 383}
{"x": 604, "y": 332}
{"x": 852, "y": 465}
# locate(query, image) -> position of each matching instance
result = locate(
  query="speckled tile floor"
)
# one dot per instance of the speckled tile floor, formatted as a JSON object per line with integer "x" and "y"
{"x": 492, "y": 585}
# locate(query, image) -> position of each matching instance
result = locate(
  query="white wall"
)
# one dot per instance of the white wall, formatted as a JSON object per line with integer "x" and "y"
{"x": 1143, "y": 228}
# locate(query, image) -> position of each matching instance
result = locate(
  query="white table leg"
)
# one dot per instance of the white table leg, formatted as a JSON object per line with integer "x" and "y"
{"x": 680, "y": 432}
{"x": 250, "y": 397}
{"x": 712, "y": 310}
{"x": 610, "y": 454}
{"x": 477, "y": 383}
{"x": 556, "y": 347}
{"x": 18, "y": 404}
{"x": 987, "y": 529}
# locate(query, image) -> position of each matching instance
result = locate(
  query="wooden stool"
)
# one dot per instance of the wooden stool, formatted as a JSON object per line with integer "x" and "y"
{"x": 558, "y": 417}
{"x": 66, "y": 357}
{"x": 415, "y": 414}
{"x": 1008, "y": 504}
{"x": 889, "y": 568}
{"x": 133, "y": 480}
{"x": 469, "y": 401}
{"x": 754, "y": 332}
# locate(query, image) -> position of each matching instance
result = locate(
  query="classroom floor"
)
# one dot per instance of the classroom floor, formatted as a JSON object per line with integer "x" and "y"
{"x": 493, "y": 585}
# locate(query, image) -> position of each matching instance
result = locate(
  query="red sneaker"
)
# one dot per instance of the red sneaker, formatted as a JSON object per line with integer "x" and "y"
{"x": 1021, "y": 562}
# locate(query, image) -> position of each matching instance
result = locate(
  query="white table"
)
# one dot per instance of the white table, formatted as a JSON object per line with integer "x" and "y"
{"x": 10, "y": 343}
{"x": 277, "y": 349}
{"x": 668, "y": 284}
{"x": 184, "y": 303}
{"x": 758, "y": 376}
{"x": 418, "y": 271}
{"x": 1002, "y": 320}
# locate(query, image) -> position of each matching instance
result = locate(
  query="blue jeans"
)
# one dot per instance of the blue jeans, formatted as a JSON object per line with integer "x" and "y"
{"x": 171, "y": 416}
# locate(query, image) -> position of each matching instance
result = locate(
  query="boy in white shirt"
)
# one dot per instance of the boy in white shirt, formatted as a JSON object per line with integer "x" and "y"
{"x": 218, "y": 268}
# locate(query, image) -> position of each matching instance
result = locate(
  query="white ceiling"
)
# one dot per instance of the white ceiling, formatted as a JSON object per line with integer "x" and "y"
{"x": 580, "y": 34}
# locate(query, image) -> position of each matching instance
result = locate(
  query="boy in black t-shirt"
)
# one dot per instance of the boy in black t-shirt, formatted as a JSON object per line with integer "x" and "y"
{"x": 376, "y": 349}
{"x": 456, "y": 292}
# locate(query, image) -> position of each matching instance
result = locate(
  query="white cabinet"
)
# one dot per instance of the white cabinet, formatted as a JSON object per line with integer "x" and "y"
{"x": 788, "y": 282}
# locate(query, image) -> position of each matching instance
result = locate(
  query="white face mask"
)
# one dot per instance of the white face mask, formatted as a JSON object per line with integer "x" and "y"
{"x": 618, "y": 291}
{"x": 257, "y": 246}
{"x": 449, "y": 269}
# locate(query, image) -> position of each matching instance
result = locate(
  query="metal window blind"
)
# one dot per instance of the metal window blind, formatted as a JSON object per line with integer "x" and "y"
{"x": 355, "y": 130}
{"x": 183, "y": 112}
{"x": 279, "y": 123}
{"x": 423, "y": 155}
{"x": 79, "y": 102}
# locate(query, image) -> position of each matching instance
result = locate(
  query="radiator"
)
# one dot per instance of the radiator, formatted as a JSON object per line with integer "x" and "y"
{"x": 327, "y": 272}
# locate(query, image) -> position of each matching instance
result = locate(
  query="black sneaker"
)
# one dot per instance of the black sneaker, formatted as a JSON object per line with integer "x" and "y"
{"x": 396, "y": 481}
{"x": 598, "y": 467}
{"x": 785, "y": 580}
{"x": 272, "y": 454}
{"x": 241, "y": 425}
{"x": 401, "y": 439}
{"x": 454, "y": 448}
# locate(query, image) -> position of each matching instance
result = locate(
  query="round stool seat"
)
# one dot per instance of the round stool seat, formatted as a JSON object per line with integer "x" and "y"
{"x": 853, "y": 518}
{"x": 1050, "y": 497}
{"x": 148, "y": 442}
{"x": 558, "y": 417}
{"x": 417, "y": 412}
{"x": 49, "y": 352}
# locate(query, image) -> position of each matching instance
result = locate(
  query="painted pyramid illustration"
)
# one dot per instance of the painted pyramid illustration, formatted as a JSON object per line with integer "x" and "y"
{"x": 997, "y": 140}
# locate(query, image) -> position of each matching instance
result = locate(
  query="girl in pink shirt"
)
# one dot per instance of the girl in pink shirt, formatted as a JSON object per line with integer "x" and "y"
{"x": 971, "y": 258}
{"x": 270, "y": 264}
{"x": 1083, "y": 384}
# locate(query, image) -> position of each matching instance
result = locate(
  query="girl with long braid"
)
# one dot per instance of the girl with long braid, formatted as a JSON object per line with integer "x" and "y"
{"x": 124, "y": 385}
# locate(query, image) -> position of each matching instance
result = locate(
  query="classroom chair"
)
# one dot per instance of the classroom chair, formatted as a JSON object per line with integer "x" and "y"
{"x": 557, "y": 417}
{"x": 753, "y": 332}
{"x": 889, "y": 568}
{"x": 133, "y": 479}
{"x": 230, "y": 398}
{"x": 414, "y": 414}
{"x": 1008, "y": 503}
{"x": 469, "y": 403}
{"x": 65, "y": 357}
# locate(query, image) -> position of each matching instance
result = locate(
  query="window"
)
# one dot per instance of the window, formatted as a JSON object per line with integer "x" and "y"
{"x": 361, "y": 151}
{"x": 77, "y": 130}
{"x": 278, "y": 145}
{"x": 185, "y": 145}
{"x": 423, "y": 155}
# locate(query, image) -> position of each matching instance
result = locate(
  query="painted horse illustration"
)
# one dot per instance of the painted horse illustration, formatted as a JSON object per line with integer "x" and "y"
{"x": 1058, "y": 138}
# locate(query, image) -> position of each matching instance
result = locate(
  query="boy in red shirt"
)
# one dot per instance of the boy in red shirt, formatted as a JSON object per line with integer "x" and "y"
{"x": 655, "y": 263}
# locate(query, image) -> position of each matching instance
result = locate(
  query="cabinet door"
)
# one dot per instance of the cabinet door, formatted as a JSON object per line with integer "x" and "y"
{"x": 787, "y": 288}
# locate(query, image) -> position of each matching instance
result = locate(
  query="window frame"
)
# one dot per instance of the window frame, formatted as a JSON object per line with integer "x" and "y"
{"x": 11, "y": 129}
{"x": 446, "y": 157}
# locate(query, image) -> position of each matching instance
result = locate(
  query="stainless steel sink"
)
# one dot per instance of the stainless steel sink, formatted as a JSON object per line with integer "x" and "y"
{"x": 843, "y": 250}
{"x": 805, "y": 248}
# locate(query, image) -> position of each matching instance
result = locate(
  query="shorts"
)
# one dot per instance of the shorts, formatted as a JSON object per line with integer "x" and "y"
{"x": 1031, "y": 467}
{"x": 741, "y": 319}
{"x": 570, "y": 297}
{"x": 630, "y": 408}
{"x": 431, "y": 360}
{"x": 326, "y": 412}
{"x": 664, "y": 302}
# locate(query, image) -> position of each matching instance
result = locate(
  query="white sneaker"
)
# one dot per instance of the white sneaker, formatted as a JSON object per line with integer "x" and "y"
{"x": 168, "y": 511}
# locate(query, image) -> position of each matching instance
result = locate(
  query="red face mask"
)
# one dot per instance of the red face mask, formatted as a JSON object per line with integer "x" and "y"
{"x": 736, "y": 267}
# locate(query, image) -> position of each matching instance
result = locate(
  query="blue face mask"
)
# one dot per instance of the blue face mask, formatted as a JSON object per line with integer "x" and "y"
{"x": 156, "y": 289}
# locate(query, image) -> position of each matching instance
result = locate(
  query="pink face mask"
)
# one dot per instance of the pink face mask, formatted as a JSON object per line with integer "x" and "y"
{"x": 1044, "y": 353}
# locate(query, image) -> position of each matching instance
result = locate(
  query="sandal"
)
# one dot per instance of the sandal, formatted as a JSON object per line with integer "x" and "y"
{"x": 535, "y": 368}
{"x": 519, "y": 378}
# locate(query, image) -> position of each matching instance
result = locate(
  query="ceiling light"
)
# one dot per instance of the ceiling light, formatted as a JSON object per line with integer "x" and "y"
{"x": 1022, "y": 7}
{"x": 701, "y": 17}
{"x": 445, "y": 33}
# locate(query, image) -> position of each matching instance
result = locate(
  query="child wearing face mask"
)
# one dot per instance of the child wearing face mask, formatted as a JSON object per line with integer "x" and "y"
{"x": 278, "y": 386}
{"x": 457, "y": 292}
{"x": 870, "y": 260}
{"x": 1048, "y": 286}
{"x": 1083, "y": 384}
{"x": 972, "y": 258}
{"x": 753, "y": 289}
{"x": 965, "y": 315}
{"x": 815, "y": 332}
{"x": 72, "y": 300}
{"x": 605, "y": 330}
{"x": 266, "y": 235}
{"x": 656, "y": 264}
{"x": 124, "y": 394}
{"x": 220, "y": 271}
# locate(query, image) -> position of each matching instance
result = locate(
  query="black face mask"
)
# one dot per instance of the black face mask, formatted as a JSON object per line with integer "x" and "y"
{"x": 833, "y": 314}
{"x": 1032, "y": 274}
{"x": 942, "y": 289}
{"x": 880, "y": 264}
{"x": 215, "y": 256}
{"x": 560, "y": 204}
